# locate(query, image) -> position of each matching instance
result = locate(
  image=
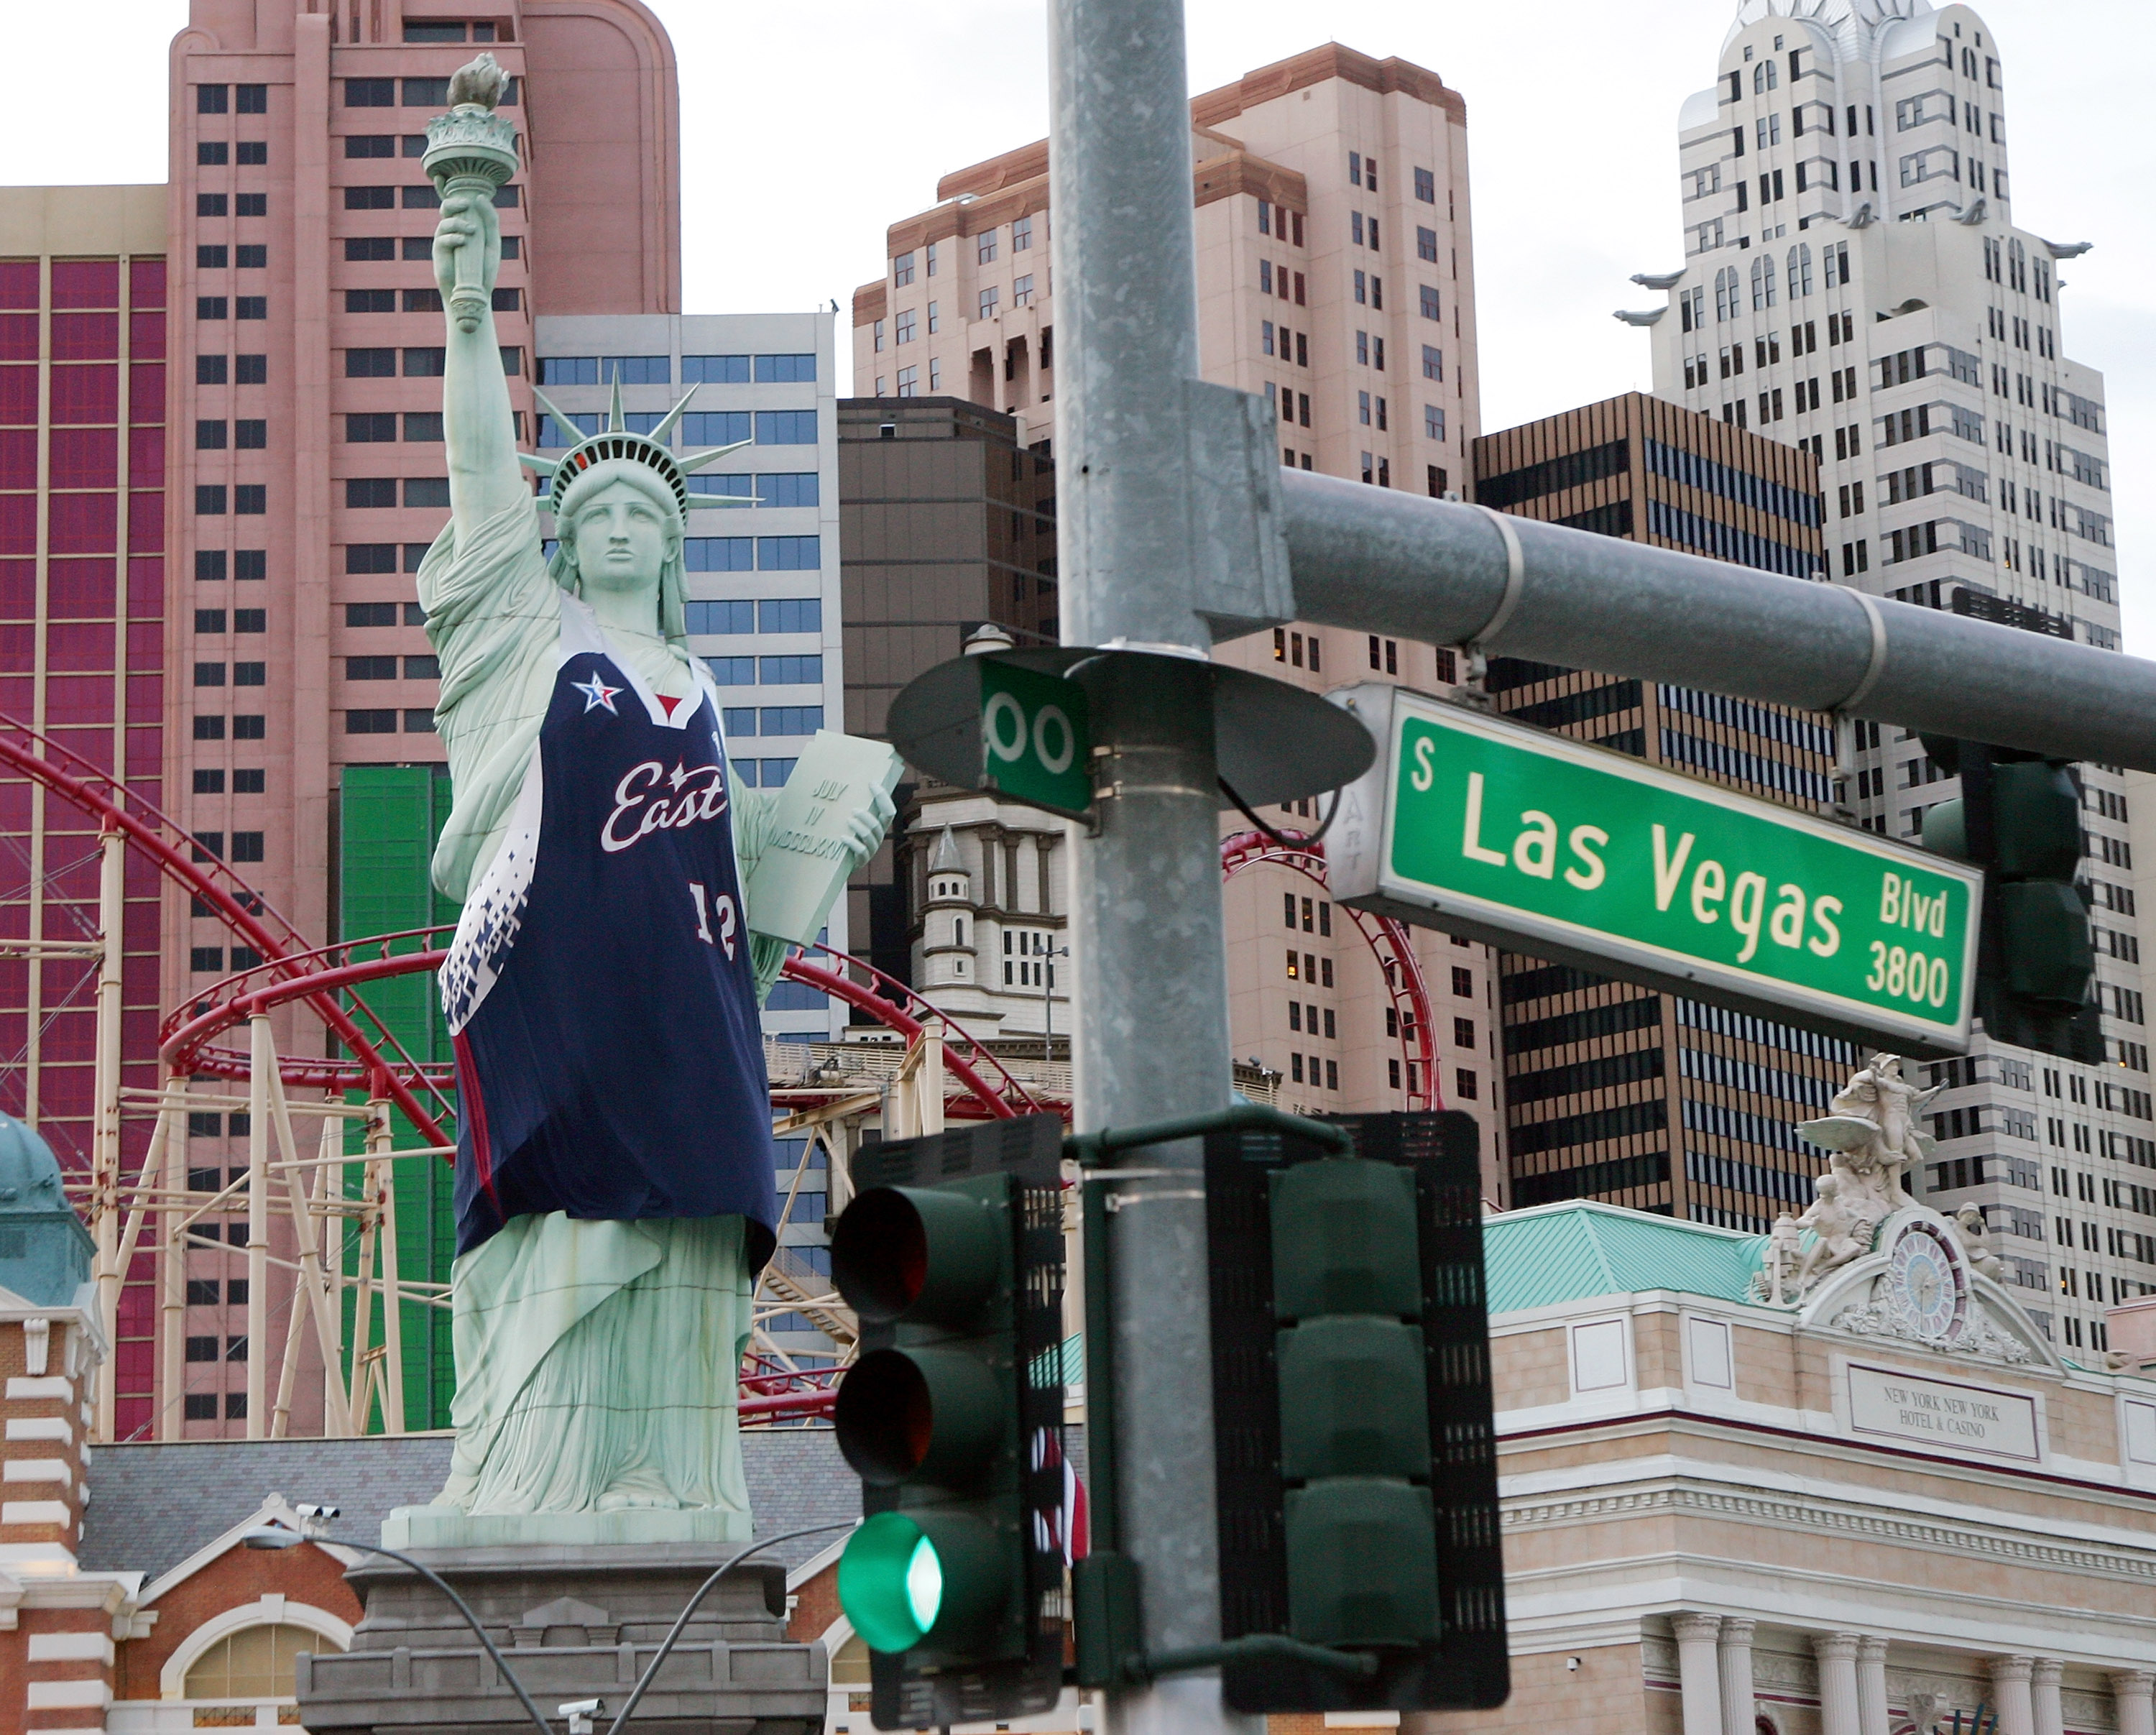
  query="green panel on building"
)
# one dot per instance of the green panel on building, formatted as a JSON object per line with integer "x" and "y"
{"x": 389, "y": 817}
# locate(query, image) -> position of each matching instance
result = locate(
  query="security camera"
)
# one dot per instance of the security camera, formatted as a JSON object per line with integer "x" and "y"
{"x": 318, "y": 1510}
{"x": 580, "y": 1713}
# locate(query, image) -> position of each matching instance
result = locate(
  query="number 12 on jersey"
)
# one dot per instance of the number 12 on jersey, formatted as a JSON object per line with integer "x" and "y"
{"x": 721, "y": 906}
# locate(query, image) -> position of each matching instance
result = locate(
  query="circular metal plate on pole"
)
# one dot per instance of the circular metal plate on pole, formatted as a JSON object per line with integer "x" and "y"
{"x": 1274, "y": 742}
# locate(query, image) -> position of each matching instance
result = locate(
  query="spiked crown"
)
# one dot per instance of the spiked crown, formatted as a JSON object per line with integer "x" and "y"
{"x": 615, "y": 441}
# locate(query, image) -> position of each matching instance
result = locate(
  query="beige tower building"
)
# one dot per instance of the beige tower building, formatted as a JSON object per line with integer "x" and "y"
{"x": 1863, "y": 278}
{"x": 1335, "y": 278}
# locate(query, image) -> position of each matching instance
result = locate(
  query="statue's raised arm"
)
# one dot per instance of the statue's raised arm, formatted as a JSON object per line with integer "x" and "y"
{"x": 470, "y": 152}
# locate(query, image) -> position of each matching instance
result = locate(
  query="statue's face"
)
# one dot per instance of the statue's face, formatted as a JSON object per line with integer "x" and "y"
{"x": 623, "y": 540}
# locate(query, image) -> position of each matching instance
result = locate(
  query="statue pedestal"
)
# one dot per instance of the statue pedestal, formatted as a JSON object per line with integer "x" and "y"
{"x": 575, "y": 1622}
{"x": 421, "y": 1527}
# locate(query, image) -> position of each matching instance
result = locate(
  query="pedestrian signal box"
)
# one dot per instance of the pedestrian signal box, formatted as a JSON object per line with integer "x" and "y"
{"x": 1356, "y": 1464}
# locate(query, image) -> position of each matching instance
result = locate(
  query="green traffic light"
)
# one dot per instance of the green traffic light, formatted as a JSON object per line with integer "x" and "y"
{"x": 904, "y": 1582}
{"x": 890, "y": 1582}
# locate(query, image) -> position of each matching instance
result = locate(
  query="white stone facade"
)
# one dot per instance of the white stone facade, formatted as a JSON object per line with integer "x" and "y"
{"x": 1857, "y": 282}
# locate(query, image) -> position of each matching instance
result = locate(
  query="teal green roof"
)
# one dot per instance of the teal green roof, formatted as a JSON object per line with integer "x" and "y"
{"x": 1572, "y": 1252}
{"x": 44, "y": 1251}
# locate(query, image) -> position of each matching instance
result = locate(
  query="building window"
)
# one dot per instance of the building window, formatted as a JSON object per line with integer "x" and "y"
{"x": 1425, "y": 187}
{"x": 1433, "y": 421}
{"x": 1022, "y": 291}
{"x": 256, "y": 1662}
{"x": 909, "y": 382}
{"x": 987, "y": 304}
{"x": 1021, "y": 234}
{"x": 984, "y": 247}
{"x": 901, "y": 270}
{"x": 902, "y": 331}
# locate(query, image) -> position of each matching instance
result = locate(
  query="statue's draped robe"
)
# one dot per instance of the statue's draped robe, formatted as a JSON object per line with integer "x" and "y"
{"x": 597, "y": 1362}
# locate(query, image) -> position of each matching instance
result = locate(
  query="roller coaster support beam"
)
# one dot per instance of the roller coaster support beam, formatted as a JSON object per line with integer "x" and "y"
{"x": 1379, "y": 562}
{"x": 105, "y": 1117}
{"x": 262, "y": 1057}
{"x": 382, "y": 1190}
{"x": 169, "y": 1144}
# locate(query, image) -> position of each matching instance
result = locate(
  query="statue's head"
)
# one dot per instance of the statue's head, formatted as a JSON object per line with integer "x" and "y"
{"x": 618, "y": 530}
{"x": 620, "y": 501}
{"x": 1826, "y": 1186}
{"x": 1887, "y": 1065}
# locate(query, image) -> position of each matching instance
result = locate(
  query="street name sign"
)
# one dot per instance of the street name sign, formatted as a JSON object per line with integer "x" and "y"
{"x": 1487, "y": 827}
{"x": 983, "y": 723}
{"x": 1019, "y": 723}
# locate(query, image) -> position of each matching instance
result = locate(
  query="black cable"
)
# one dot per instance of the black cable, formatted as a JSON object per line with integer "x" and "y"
{"x": 1282, "y": 839}
{"x": 463, "y": 1608}
{"x": 666, "y": 1646}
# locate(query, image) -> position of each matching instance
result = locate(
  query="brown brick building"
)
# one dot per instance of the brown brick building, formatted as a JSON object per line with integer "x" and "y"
{"x": 1612, "y": 1092}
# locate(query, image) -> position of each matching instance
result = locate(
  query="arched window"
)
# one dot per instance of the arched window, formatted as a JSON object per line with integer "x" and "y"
{"x": 958, "y": 931}
{"x": 1801, "y": 269}
{"x": 254, "y": 1663}
{"x": 1773, "y": 74}
{"x": 850, "y": 1662}
{"x": 1725, "y": 294}
{"x": 1762, "y": 284}
{"x": 1969, "y": 63}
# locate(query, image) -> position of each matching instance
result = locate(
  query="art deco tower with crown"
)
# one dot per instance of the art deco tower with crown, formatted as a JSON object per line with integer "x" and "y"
{"x": 1862, "y": 277}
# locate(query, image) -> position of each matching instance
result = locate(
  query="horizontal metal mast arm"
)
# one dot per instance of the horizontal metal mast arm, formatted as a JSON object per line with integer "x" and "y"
{"x": 1376, "y": 560}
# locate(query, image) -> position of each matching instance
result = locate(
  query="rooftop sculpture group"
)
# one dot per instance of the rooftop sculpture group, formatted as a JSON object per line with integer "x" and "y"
{"x": 1871, "y": 1127}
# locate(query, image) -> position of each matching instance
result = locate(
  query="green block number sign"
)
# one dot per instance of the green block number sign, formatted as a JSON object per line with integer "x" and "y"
{"x": 1485, "y": 827}
{"x": 1036, "y": 746}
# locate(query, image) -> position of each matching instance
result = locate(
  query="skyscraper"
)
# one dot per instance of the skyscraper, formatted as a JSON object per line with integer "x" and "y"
{"x": 1856, "y": 282}
{"x": 84, "y": 364}
{"x": 1335, "y": 275}
{"x": 1649, "y": 1100}
{"x": 948, "y": 525}
{"x": 305, "y": 478}
{"x": 763, "y": 548}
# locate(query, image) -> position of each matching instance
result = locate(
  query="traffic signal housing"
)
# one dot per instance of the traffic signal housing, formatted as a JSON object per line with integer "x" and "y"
{"x": 2019, "y": 818}
{"x": 1355, "y": 1458}
{"x": 951, "y": 1255}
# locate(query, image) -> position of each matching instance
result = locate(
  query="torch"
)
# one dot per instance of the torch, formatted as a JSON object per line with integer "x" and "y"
{"x": 471, "y": 151}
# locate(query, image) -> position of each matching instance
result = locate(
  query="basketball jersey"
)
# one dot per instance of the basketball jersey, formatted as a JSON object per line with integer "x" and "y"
{"x": 599, "y": 991}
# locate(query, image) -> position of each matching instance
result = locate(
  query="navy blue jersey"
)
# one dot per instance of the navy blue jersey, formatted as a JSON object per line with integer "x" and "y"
{"x": 609, "y": 1058}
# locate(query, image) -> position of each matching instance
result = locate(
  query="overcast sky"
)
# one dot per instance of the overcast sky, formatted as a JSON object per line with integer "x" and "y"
{"x": 807, "y": 130}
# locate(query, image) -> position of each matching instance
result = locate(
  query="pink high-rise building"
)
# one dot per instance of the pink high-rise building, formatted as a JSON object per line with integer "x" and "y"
{"x": 84, "y": 388}
{"x": 1335, "y": 279}
{"x": 306, "y": 476}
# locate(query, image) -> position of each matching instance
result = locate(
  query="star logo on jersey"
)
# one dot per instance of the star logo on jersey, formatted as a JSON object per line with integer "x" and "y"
{"x": 597, "y": 693}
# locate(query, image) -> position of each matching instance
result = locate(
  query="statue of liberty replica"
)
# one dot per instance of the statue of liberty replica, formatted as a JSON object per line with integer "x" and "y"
{"x": 614, "y": 1188}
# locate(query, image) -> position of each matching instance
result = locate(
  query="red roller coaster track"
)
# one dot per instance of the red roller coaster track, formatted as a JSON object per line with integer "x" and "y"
{"x": 328, "y": 979}
{"x": 1388, "y": 941}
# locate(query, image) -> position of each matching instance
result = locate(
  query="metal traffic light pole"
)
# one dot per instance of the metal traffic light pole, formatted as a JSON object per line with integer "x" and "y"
{"x": 1375, "y": 560}
{"x": 1150, "y": 1002}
